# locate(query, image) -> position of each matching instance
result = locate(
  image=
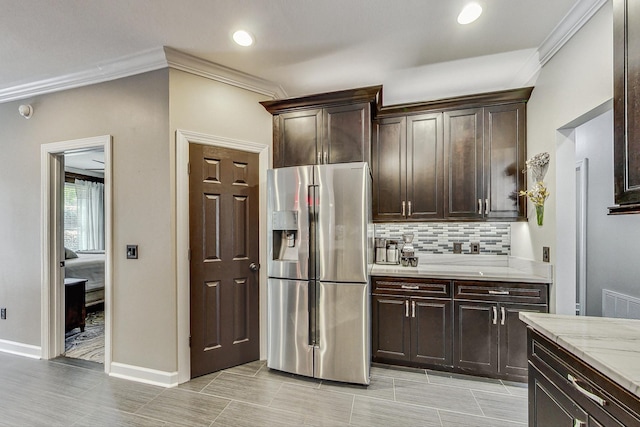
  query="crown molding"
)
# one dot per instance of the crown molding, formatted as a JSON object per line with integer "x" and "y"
{"x": 142, "y": 62}
{"x": 575, "y": 19}
{"x": 192, "y": 64}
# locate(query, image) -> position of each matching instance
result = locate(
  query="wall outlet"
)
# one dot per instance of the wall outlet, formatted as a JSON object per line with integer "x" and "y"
{"x": 475, "y": 248}
{"x": 132, "y": 251}
{"x": 3, "y": 313}
{"x": 457, "y": 247}
{"x": 545, "y": 254}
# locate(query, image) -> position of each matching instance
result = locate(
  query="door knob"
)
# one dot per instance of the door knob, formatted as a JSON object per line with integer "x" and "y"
{"x": 254, "y": 267}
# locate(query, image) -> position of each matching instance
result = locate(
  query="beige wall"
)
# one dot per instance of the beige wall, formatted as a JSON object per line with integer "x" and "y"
{"x": 576, "y": 80}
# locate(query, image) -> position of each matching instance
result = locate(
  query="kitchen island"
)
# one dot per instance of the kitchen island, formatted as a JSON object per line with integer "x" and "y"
{"x": 457, "y": 313}
{"x": 583, "y": 371}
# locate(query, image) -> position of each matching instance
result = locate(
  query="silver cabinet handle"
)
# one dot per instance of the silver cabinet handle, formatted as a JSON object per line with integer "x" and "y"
{"x": 502, "y": 315}
{"x": 326, "y": 157}
{"x": 409, "y": 203}
{"x": 578, "y": 423}
{"x": 498, "y": 292}
{"x": 480, "y": 206}
{"x": 319, "y": 158}
{"x": 403, "y": 212}
{"x": 495, "y": 315}
{"x": 410, "y": 286}
{"x": 406, "y": 308}
{"x": 486, "y": 206}
{"x": 600, "y": 401}
{"x": 413, "y": 309}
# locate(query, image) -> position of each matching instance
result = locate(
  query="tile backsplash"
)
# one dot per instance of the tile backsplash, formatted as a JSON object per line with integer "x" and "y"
{"x": 438, "y": 237}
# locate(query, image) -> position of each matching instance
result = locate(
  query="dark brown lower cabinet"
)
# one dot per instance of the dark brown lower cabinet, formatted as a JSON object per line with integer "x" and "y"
{"x": 565, "y": 391}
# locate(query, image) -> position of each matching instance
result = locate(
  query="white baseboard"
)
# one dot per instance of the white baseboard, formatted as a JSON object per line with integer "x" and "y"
{"x": 144, "y": 375}
{"x": 20, "y": 349}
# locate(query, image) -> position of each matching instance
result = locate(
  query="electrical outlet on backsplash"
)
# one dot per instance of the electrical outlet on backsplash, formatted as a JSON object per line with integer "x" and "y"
{"x": 438, "y": 237}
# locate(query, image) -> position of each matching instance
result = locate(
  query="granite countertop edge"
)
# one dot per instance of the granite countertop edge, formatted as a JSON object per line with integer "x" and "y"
{"x": 606, "y": 344}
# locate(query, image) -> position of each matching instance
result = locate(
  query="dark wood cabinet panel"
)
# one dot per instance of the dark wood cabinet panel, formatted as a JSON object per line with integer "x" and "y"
{"x": 505, "y": 156}
{"x": 626, "y": 108}
{"x": 513, "y": 344}
{"x": 425, "y": 167}
{"x": 476, "y": 340}
{"x": 391, "y": 328}
{"x": 463, "y": 145}
{"x": 389, "y": 169}
{"x": 431, "y": 321}
{"x": 348, "y": 134}
{"x": 299, "y": 139}
{"x": 551, "y": 407}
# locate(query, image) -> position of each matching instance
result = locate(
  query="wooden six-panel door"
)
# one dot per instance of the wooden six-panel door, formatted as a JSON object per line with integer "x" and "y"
{"x": 224, "y": 243}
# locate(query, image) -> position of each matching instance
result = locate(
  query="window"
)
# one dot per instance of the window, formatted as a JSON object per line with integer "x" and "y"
{"x": 71, "y": 232}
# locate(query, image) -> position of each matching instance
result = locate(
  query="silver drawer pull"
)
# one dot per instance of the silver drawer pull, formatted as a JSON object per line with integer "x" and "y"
{"x": 498, "y": 292}
{"x": 578, "y": 423}
{"x": 410, "y": 287}
{"x": 600, "y": 401}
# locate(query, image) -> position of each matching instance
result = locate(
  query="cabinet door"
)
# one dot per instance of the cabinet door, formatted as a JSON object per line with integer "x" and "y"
{"x": 347, "y": 136}
{"x": 390, "y": 328}
{"x": 504, "y": 156}
{"x": 298, "y": 138}
{"x": 513, "y": 338}
{"x": 626, "y": 107}
{"x": 425, "y": 173}
{"x": 476, "y": 336}
{"x": 550, "y": 407}
{"x": 431, "y": 341}
{"x": 389, "y": 169}
{"x": 463, "y": 134}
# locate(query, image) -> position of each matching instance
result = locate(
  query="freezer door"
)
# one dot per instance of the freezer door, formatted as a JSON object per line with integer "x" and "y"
{"x": 288, "y": 346}
{"x": 344, "y": 347}
{"x": 288, "y": 202}
{"x": 343, "y": 205}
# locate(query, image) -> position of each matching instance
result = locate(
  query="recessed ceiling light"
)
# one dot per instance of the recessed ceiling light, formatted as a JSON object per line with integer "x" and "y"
{"x": 470, "y": 13}
{"x": 243, "y": 38}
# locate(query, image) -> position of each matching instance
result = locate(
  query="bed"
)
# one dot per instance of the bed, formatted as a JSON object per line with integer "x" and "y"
{"x": 87, "y": 265}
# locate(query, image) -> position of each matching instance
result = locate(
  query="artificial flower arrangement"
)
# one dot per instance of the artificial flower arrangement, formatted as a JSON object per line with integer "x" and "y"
{"x": 538, "y": 164}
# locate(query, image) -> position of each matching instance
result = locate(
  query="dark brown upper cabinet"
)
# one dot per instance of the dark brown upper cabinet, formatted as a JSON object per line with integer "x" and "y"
{"x": 626, "y": 107}
{"x": 331, "y": 127}
{"x": 408, "y": 168}
{"x": 454, "y": 159}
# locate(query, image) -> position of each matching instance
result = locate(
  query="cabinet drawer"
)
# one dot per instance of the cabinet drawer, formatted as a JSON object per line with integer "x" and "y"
{"x": 526, "y": 293}
{"x": 437, "y": 288}
{"x": 600, "y": 397}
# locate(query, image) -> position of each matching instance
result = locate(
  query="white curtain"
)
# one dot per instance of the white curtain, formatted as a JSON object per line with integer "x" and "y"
{"x": 90, "y": 199}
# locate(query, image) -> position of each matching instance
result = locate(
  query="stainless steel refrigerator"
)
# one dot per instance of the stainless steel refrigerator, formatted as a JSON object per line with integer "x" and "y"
{"x": 320, "y": 240}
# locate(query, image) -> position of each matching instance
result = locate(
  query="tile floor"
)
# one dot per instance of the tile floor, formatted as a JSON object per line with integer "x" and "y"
{"x": 64, "y": 392}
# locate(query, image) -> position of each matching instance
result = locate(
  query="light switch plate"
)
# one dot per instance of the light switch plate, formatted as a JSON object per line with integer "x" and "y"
{"x": 132, "y": 251}
{"x": 545, "y": 254}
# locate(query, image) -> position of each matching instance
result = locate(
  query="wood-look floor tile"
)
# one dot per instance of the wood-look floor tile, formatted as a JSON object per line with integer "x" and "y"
{"x": 373, "y": 412}
{"x": 45, "y": 409}
{"x": 437, "y": 396}
{"x": 504, "y": 407}
{"x": 401, "y": 373}
{"x": 249, "y": 369}
{"x": 184, "y": 407}
{"x": 319, "y": 406}
{"x": 380, "y": 388}
{"x": 246, "y": 389}
{"x": 199, "y": 383}
{"x": 466, "y": 381}
{"x": 240, "y": 414}
{"x": 287, "y": 377}
{"x": 105, "y": 417}
{"x": 116, "y": 393}
{"x": 454, "y": 419}
{"x": 517, "y": 389}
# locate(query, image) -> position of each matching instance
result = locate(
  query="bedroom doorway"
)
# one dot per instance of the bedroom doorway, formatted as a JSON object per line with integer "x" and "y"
{"x": 76, "y": 249}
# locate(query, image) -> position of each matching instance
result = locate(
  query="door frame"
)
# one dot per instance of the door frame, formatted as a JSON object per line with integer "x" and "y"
{"x": 52, "y": 303}
{"x": 183, "y": 139}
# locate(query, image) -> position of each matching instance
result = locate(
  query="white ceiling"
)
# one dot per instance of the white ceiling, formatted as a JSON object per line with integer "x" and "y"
{"x": 415, "y": 48}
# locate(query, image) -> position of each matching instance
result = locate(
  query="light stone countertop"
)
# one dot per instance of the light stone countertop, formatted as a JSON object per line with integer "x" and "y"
{"x": 611, "y": 346}
{"x": 471, "y": 267}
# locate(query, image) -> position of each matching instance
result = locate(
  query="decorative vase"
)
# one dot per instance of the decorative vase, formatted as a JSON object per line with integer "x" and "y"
{"x": 539, "y": 214}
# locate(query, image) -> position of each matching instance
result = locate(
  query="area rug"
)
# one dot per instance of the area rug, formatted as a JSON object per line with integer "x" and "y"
{"x": 87, "y": 345}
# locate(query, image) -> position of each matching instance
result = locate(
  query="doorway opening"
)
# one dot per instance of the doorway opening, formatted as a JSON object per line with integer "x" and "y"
{"x": 76, "y": 249}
